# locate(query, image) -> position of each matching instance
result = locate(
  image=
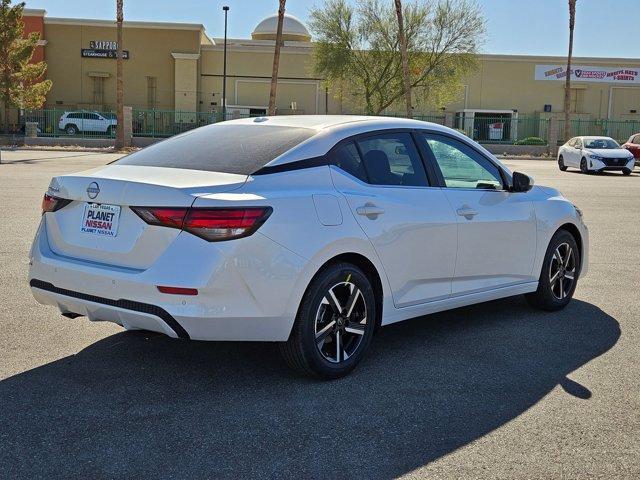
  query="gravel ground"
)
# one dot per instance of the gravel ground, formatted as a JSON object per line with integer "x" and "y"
{"x": 490, "y": 391}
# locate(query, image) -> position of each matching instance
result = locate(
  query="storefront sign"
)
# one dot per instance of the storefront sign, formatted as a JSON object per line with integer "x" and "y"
{"x": 103, "y": 45}
{"x": 621, "y": 75}
{"x": 98, "y": 53}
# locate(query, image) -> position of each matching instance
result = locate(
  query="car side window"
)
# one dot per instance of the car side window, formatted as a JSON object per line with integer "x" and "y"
{"x": 348, "y": 159}
{"x": 461, "y": 166}
{"x": 636, "y": 140}
{"x": 392, "y": 159}
{"x": 572, "y": 142}
{"x": 578, "y": 144}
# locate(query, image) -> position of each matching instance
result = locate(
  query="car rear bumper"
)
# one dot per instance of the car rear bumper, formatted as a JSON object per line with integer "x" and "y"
{"x": 240, "y": 296}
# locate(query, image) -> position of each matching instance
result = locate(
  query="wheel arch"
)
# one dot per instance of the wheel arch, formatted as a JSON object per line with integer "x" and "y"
{"x": 369, "y": 270}
{"x": 575, "y": 233}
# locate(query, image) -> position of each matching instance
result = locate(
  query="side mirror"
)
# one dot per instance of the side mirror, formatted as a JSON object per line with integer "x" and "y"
{"x": 521, "y": 182}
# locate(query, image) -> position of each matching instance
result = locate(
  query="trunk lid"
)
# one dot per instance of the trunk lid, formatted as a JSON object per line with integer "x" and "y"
{"x": 128, "y": 241}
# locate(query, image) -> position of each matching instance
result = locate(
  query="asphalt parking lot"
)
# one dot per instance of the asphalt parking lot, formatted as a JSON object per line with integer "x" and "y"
{"x": 490, "y": 391}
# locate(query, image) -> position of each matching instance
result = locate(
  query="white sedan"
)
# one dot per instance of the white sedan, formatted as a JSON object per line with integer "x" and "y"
{"x": 312, "y": 231}
{"x": 595, "y": 154}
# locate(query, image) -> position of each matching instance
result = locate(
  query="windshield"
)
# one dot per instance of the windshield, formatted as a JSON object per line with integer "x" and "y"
{"x": 225, "y": 148}
{"x": 600, "y": 143}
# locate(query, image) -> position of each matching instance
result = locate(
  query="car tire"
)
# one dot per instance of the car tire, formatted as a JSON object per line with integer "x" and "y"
{"x": 71, "y": 130}
{"x": 323, "y": 314}
{"x": 626, "y": 171}
{"x": 559, "y": 275}
{"x": 584, "y": 168}
{"x": 561, "y": 165}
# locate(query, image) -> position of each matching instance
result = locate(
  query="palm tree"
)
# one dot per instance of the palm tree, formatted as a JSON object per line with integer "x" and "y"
{"x": 567, "y": 86}
{"x": 119, "y": 79}
{"x": 402, "y": 40}
{"x": 276, "y": 60}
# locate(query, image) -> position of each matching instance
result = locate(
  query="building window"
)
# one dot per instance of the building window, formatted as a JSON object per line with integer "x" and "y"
{"x": 577, "y": 97}
{"x": 152, "y": 92}
{"x": 98, "y": 90}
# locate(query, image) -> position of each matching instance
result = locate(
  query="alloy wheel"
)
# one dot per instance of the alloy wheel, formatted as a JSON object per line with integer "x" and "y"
{"x": 340, "y": 322}
{"x": 562, "y": 271}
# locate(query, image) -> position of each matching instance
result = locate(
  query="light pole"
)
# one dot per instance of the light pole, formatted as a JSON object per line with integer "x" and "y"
{"x": 224, "y": 67}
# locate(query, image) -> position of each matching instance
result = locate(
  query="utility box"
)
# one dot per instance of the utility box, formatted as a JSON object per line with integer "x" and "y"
{"x": 31, "y": 129}
{"x": 496, "y": 130}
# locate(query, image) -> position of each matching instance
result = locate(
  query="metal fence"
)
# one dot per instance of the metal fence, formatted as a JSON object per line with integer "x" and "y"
{"x": 501, "y": 129}
{"x": 77, "y": 123}
{"x": 620, "y": 130}
{"x": 505, "y": 129}
{"x": 103, "y": 124}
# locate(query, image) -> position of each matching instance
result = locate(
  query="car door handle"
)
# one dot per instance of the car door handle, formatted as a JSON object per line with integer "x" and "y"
{"x": 467, "y": 212}
{"x": 370, "y": 211}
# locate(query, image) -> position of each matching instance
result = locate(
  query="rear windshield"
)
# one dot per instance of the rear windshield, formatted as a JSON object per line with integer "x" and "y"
{"x": 240, "y": 149}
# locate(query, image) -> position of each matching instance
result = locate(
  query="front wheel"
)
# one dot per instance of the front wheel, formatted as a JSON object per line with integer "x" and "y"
{"x": 583, "y": 166}
{"x": 71, "y": 130}
{"x": 626, "y": 171}
{"x": 559, "y": 275}
{"x": 561, "y": 165}
{"x": 334, "y": 325}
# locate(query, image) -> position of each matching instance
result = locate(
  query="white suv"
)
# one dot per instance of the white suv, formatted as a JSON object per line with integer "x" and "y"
{"x": 74, "y": 122}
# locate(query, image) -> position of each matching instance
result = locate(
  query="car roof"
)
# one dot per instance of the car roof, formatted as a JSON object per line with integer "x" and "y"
{"x": 330, "y": 129}
{"x": 325, "y": 122}
{"x": 592, "y": 137}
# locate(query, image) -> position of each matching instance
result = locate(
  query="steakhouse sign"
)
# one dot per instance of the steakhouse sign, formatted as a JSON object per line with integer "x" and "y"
{"x": 620, "y": 75}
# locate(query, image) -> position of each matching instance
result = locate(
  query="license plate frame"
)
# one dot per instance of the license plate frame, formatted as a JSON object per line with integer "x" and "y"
{"x": 101, "y": 219}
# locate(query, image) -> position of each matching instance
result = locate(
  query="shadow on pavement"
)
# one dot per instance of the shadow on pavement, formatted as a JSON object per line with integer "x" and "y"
{"x": 143, "y": 405}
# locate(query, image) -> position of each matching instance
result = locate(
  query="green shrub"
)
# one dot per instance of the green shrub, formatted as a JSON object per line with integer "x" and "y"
{"x": 531, "y": 141}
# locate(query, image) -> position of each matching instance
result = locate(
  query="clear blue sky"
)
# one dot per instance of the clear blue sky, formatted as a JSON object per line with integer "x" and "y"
{"x": 604, "y": 28}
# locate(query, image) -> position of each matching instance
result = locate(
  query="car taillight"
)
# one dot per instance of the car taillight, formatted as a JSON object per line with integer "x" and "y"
{"x": 53, "y": 204}
{"x": 164, "y": 217}
{"x": 211, "y": 224}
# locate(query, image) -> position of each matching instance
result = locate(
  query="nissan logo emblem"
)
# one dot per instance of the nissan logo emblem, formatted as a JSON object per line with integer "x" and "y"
{"x": 93, "y": 190}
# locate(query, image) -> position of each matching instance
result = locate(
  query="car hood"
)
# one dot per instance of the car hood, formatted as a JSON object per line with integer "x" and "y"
{"x": 609, "y": 153}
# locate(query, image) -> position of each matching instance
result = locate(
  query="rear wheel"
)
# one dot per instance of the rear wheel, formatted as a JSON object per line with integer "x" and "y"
{"x": 559, "y": 275}
{"x": 583, "y": 166}
{"x": 561, "y": 164}
{"x": 71, "y": 130}
{"x": 334, "y": 325}
{"x": 626, "y": 171}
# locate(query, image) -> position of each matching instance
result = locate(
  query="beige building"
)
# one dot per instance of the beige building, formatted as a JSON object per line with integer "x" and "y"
{"x": 178, "y": 67}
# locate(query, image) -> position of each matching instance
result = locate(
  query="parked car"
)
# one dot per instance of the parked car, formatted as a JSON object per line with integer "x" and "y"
{"x": 595, "y": 154}
{"x": 633, "y": 145}
{"x": 312, "y": 231}
{"x": 94, "y": 122}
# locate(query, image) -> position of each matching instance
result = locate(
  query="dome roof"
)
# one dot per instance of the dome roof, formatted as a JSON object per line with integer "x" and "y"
{"x": 292, "y": 29}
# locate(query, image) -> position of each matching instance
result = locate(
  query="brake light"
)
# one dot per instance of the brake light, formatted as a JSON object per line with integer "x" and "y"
{"x": 211, "y": 224}
{"x": 53, "y": 204}
{"x": 163, "y": 217}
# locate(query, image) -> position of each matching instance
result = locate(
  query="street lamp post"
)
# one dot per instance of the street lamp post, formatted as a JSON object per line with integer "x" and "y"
{"x": 224, "y": 67}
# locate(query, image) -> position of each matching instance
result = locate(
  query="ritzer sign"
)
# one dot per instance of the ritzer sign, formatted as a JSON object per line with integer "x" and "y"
{"x": 579, "y": 73}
